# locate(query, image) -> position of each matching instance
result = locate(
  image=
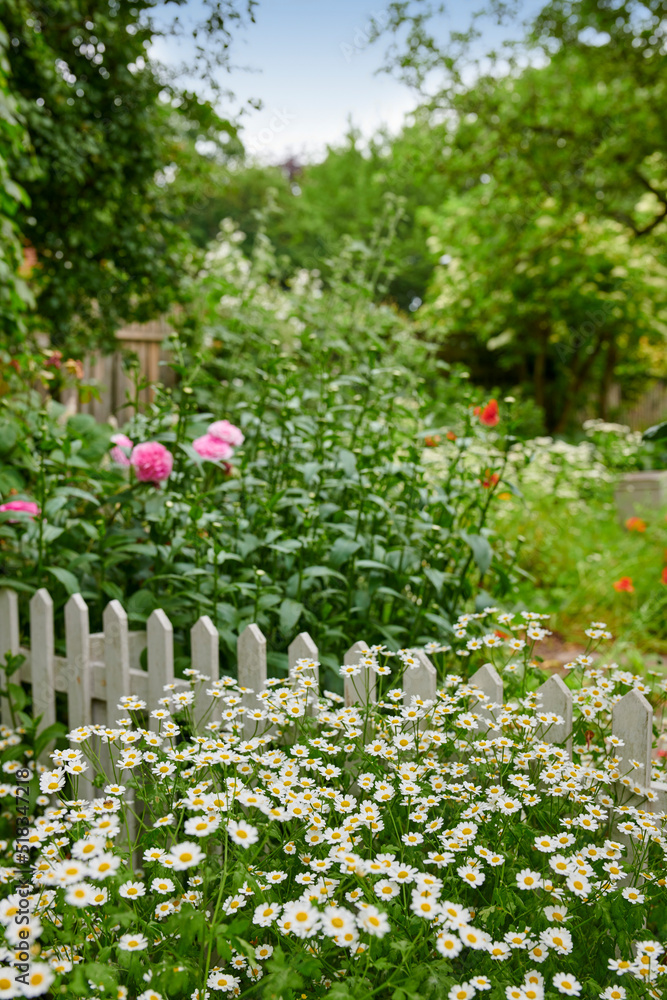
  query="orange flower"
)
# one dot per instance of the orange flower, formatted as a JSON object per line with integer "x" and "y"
{"x": 664, "y": 575}
{"x": 501, "y": 634}
{"x": 451, "y": 436}
{"x": 432, "y": 440}
{"x": 74, "y": 367}
{"x": 635, "y": 524}
{"x": 488, "y": 415}
{"x": 491, "y": 479}
{"x": 625, "y": 583}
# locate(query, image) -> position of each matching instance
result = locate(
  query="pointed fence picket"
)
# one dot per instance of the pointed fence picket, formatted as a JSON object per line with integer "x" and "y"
{"x": 99, "y": 668}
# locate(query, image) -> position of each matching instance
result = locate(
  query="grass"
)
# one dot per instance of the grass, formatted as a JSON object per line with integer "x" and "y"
{"x": 572, "y": 552}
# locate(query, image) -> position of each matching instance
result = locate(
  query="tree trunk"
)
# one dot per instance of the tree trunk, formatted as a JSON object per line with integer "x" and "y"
{"x": 574, "y": 389}
{"x": 606, "y": 381}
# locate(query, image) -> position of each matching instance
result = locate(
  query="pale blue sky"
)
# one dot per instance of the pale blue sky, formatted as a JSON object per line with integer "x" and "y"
{"x": 310, "y": 65}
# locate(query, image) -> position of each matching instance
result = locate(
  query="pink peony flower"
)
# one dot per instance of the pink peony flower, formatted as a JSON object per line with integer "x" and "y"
{"x": 121, "y": 453}
{"x": 227, "y": 432}
{"x": 212, "y": 448}
{"x": 25, "y": 506}
{"x": 152, "y": 462}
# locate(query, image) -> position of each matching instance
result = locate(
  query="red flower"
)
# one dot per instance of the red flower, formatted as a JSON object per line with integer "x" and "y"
{"x": 451, "y": 436}
{"x": 635, "y": 524}
{"x": 432, "y": 440}
{"x": 625, "y": 583}
{"x": 500, "y": 634}
{"x": 488, "y": 415}
{"x": 491, "y": 479}
{"x": 54, "y": 360}
{"x": 664, "y": 575}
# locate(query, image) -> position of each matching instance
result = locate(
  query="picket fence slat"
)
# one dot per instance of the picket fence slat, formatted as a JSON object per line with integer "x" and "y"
{"x": 205, "y": 655}
{"x": 420, "y": 681}
{"x": 251, "y": 658}
{"x": 363, "y": 687}
{"x": 101, "y": 667}
{"x": 555, "y": 696}
{"x": 42, "y": 646}
{"x": 303, "y": 648}
{"x": 160, "y": 639}
{"x": 632, "y": 721}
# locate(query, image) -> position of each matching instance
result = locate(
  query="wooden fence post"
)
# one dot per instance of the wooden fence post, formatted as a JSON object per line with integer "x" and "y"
{"x": 420, "y": 682}
{"x": 632, "y": 722}
{"x": 557, "y": 698}
{"x": 204, "y": 643}
{"x": 77, "y": 639}
{"x": 363, "y": 687}
{"x": 42, "y": 673}
{"x": 303, "y": 648}
{"x": 160, "y": 640}
{"x": 251, "y": 653}
{"x": 489, "y": 682}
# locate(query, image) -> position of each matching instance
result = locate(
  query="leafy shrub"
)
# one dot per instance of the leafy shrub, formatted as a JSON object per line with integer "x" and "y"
{"x": 325, "y": 518}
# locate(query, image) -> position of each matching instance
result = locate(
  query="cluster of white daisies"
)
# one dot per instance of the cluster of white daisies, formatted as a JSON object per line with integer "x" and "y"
{"x": 334, "y": 828}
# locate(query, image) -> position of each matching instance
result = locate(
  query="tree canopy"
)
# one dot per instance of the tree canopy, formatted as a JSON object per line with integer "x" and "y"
{"x": 107, "y": 132}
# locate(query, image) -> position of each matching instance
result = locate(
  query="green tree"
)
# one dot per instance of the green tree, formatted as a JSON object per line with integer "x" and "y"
{"x": 328, "y": 203}
{"x": 15, "y": 296}
{"x": 107, "y": 134}
{"x": 556, "y": 156}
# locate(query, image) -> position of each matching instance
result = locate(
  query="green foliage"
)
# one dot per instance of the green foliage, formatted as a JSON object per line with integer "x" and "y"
{"x": 15, "y": 296}
{"x": 107, "y": 132}
{"x": 553, "y": 228}
{"x": 326, "y": 204}
{"x": 326, "y": 522}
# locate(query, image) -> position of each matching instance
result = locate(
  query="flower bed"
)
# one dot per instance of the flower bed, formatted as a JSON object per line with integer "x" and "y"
{"x": 398, "y": 849}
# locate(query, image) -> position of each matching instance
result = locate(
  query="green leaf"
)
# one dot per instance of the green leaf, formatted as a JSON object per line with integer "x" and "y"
{"x": 323, "y": 571}
{"x": 50, "y": 733}
{"x": 103, "y": 975}
{"x": 17, "y": 696}
{"x": 68, "y": 580}
{"x": 481, "y": 550}
{"x": 437, "y": 578}
{"x": 8, "y": 436}
{"x": 342, "y": 549}
{"x": 372, "y": 564}
{"x": 50, "y": 532}
{"x": 656, "y": 433}
{"x": 113, "y": 591}
{"x": 290, "y": 612}
{"x": 11, "y": 584}
{"x": 74, "y": 491}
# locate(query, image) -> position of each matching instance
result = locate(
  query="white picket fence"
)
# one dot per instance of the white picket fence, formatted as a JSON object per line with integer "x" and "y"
{"x": 100, "y": 667}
